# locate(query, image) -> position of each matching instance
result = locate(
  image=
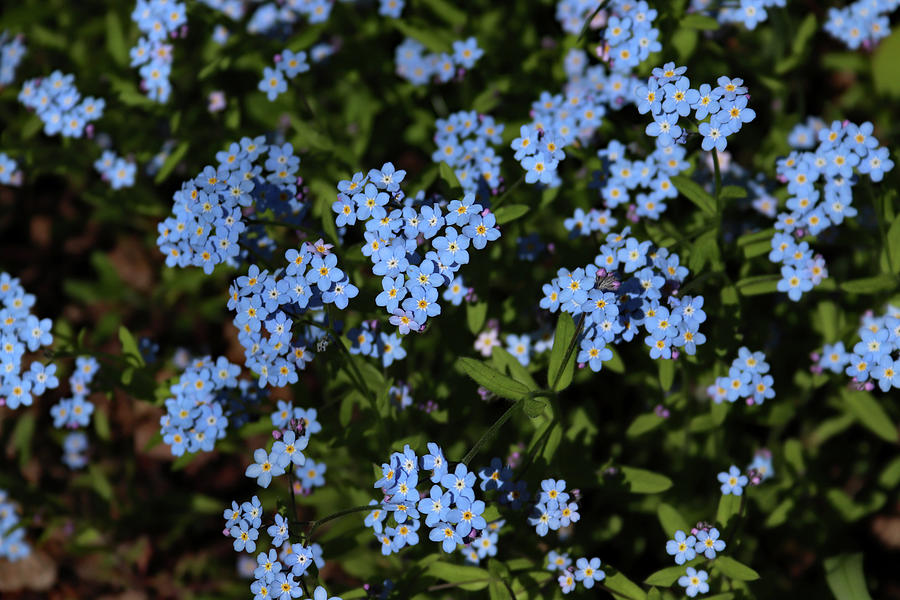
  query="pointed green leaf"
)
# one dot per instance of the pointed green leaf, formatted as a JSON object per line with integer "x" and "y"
{"x": 696, "y": 194}
{"x": 761, "y": 284}
{"x": 643, "y": 423}
{"x": 475, "y": 316}
{"x": 510, "y": 212}
{"x": 670, "y": 519}
{"x": 449, "y": 176}
{"x": 559, "y": 375}
{"x": 844, "y": 574}
{"x": 666, "y": 374}
{"x": 734, "y": 569}
{"x": 666, "y": 577}
{"x": 869, "y": 413}
{"x": 870, "y": 285}
{"x": 729, "y": 505}
{"x": 491, "y": 379}
{"x": 641, "y": 481}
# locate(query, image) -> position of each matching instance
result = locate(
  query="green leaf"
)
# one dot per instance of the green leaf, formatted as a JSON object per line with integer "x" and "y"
{"x": 100, "y": 483}
{"x": 696, "y": 194}
{"x": 115, "y": 39}
{"x": 756, "y": 236}
{"x": 705, "y": 250}
{"x": 780, "y": 513}
{"x": 641, "y": 481}
{"x": 886, "y": 67}
{"x": 507, "y": 361}
{"x": 129, "y": 347}
{"x": 890, "y": 476}
{"x": 666, "y": 577}
{"x": 893, "y": 244}
{"x": 431, "y": 39}
{"x": 733, "y": 191}
{"x": 870, "y": 285}
{"x": 804, "y": 33}
{"x": 22, "y": 434}
{"x": 510, "y": 212}
{"x": 534, "y": 407}
{"x": 623, "y": 588}
{"x": 101, "y": 424}
{"x": 734, "y": 569}
{"x": 449, "y": 176}
{"x": 696, "y": 21}
{"x": 459, "y": 574}
{"x": 844, "y": 574}
{"x": 869, "y": 413}
{"x": 729, "y": 505}
{"x": 475, "y": 316}
{"x": 761, "y": 284}
{"x": 670, "y": 519}
{"x": 491, "y": 379}
{"x": 642, "y": 424}
{"x": 171, "y": 162}
{"x": 447, "y": 11}
{"x": 559, "y": 375}
{"x": 666, "y": 374}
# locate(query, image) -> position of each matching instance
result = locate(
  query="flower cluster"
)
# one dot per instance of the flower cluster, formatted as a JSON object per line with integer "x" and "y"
{"x": 826, "y": 174}
{"x": 747, "y": 378}
{"x": 55, "y": 99}
{"x": 266, "y": 305}
{"x": 450, "y": 509}
{"x": 558, "y": 120}
{"x": 116, "y": 170}
{"x": 286, "y": 453}
{"x": 277, "y": 573}
{"x": 702, "y": 540}
{"x": 417, "y": 66}
{"x": 668, "y": 96}
{"x": 382, "y": 346}
{"x": 410, "y": 281}
{"x": 304, "y": 422}
{"x": 621, "y": 175}
{"x": 873, "y": 357}
{"x": 862, "y": 23}
{"x": 12, "y": 537}
{"x": 463, "y": 141}
{"x": 11, "y": 52}
{"x": 629, "y": 37}
{"x": 8, "y": 170}
{"x": 612, "y": 305}
{"x": 22, "y": 332}
{"x": 587, "y": 571}
{"x": 74, "y": 412}
{"x": 206, "y": 228}
{"x": 157, "y": 20}
{"x": 202, "y": 400}
{"x": 749, "y": 12}
{"x": 553, "y": 509}
{"x": 287, "y": 64}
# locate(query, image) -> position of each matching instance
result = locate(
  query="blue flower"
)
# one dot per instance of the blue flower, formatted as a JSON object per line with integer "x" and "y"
{"x": 708, "y": 543}
{"x": 732, "y": 481}
{"x": 588, "y": 571}
{"x": 681, "y": 547}
{"x": 694, "y": 582}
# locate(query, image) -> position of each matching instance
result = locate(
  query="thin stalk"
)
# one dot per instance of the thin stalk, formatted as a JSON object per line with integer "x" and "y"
{"x": 491, "y": 431}
{"x": 569, "y": 351}
{"x": 718, "y": 182}
{"x": 341, "y": 513}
